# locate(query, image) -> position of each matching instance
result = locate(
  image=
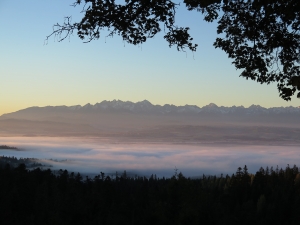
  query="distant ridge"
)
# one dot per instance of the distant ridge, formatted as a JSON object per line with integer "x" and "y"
{"x": 141, "y": 122}
{"x": 147, "y": 107}
{"x": 8, "y": 147}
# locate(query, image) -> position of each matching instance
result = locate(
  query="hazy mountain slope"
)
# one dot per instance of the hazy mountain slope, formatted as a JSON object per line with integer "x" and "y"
{"x": 219, "y": 134}
{"x": 143, "y": 121}
{"x": 74, "y": 113}
{"x": 18, "y": 127}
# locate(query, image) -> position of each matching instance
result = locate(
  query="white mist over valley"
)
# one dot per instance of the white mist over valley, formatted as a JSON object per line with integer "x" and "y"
{"x": 146, "y": 139}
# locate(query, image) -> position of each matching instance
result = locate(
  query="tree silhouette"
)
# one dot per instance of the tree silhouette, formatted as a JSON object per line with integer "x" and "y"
{"x": 261, "y": 36}
{"x": 43, "y": 197}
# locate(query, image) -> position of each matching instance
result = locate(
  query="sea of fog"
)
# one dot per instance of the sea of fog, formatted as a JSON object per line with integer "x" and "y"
{"x": 92, "y": 156}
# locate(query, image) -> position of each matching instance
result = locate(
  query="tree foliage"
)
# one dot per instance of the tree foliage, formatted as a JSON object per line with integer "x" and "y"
{"x": 59, "y": 197}
{"x": 260, "y": 36}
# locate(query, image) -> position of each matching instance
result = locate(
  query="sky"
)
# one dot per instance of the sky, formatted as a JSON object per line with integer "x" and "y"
{"x": 35, "y": 73}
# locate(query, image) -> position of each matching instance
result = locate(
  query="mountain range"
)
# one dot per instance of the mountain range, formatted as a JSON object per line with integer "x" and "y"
{"x": 143, "y": 121}
{"x": 148, "y": 108}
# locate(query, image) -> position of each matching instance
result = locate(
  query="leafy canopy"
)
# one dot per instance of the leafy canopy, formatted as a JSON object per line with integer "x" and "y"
{"x": 261, "y": 36}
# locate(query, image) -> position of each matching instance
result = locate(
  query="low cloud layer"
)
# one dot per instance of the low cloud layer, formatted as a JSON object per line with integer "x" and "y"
{"x": 93, "y": 155}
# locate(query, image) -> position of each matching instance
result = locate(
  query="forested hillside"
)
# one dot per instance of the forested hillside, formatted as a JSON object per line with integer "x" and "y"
{"x": 271, "y": 196}
{"x": 8, "y": 147}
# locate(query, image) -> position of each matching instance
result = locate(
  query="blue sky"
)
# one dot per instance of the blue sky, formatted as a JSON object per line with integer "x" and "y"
{"x": 71, "y": 72}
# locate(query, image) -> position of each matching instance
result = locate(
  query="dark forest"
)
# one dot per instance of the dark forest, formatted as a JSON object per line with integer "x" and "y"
{"x": 43, "y": 196}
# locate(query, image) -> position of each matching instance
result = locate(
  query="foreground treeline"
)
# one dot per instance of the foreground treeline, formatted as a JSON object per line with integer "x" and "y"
{"x": 42, "y": 197}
